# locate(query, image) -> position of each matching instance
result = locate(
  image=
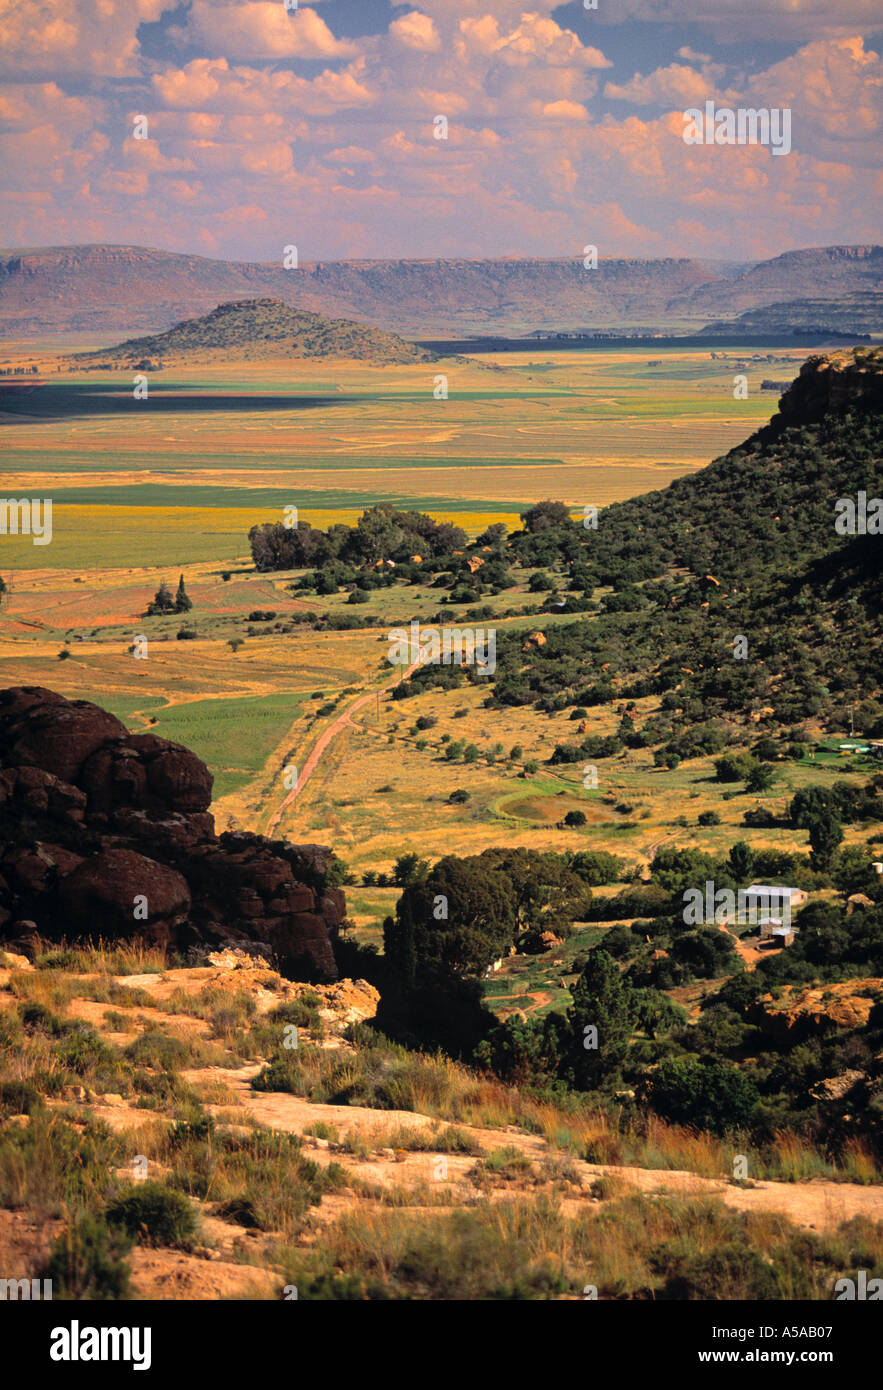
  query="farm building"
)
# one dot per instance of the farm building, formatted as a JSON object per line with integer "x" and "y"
{"x": 772, "y": 898}
{"x": 780, "y": 933}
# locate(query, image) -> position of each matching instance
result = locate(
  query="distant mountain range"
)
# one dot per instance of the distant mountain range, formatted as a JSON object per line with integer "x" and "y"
{"x": 103, "y": 290}
{"x": 256, "y": 329}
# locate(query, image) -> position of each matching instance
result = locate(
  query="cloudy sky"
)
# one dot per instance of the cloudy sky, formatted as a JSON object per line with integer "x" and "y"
{"x": 314, "y": 126}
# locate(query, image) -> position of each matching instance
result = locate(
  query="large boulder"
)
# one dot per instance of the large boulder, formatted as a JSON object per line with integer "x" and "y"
{"x": 118, "y": 892}
{"x": 41, "y": 729}
{"x": 146, "y": 772}
{"x": 108, "y": 833}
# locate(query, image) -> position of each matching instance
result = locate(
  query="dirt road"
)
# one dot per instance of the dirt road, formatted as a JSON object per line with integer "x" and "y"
{"x": 342, "y": 721}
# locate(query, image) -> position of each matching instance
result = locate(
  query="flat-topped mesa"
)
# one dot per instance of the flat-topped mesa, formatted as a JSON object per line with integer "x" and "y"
{"x": 108, "y": 834}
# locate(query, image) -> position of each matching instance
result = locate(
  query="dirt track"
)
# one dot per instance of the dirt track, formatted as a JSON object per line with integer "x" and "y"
{"x": 341, "y": 722}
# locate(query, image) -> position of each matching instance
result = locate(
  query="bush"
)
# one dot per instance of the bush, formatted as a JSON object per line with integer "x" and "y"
{"x": 87, "y": 1262}
{"x": 18, "y": 1098}
{"x": 158, "y": 1050}
{"x": 710, "y": 1095}
{"x": 708, "y": 818}
{"x": 154, "y": 1214}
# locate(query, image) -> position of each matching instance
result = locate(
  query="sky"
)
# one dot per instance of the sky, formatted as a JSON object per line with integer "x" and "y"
{"x": 316, "y": 126}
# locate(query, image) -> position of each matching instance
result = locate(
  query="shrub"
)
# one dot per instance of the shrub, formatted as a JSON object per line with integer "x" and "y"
{"x": 158, "y": 1050}
{"x": 154, "y": 1214}
{"x": 18, "y": 1098}
{"x": 88, "y": 1262}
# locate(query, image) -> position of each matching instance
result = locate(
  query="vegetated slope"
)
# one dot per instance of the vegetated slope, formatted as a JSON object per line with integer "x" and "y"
{"x": 747, "y": 547}
{"x": 260, "y": 328}
{"x": 101, "y": 288}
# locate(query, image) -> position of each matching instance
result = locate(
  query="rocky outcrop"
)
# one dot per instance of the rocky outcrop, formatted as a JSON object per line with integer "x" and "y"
{"x": 106, "y": 833}
{"x": 835, "y": 381}
{"x": 799, "y": 1012}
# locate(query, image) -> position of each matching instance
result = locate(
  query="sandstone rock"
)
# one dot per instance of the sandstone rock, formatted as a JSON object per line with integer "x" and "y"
{"x": 11, "y": 961}
{"x": 836, "y": 1087}
{"x": 799, "y": 1012}
{"x": 232, "y": 959}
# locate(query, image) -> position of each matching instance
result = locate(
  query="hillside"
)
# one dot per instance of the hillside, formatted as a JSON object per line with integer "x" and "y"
{"x": 746, "y": 546}
{"x": 255, "y": 329}
{"x": 99, "y": 289}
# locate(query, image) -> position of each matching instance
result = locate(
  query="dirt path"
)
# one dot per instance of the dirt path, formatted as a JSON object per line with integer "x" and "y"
{"x": 539, "y": 995}
{"x": 815, "y": 1205}
{"x": 343, "y": 721}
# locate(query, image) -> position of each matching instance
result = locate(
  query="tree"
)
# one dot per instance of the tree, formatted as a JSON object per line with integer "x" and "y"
{"x": 523, "y": 1053}
{"x": 808, "y": 803}
{"x": 461, "y": 917}
{"x": 183, "y": 603}
{"x": 601, "y": 1019}
{"x": 544, "y": 515}
{"x": 495, "y": 535}
{"x": 825, "y": 834}
{"x": 408, "y": 868}
{"x": 741, "y": 861}
{"x": 706, "y": 1095}
{"x": 575, "y": 818}
{"x": 760, "y": 778}
{"x": 162, "y": 601}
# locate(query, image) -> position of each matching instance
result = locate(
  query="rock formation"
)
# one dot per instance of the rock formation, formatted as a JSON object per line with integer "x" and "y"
{"x": 107, "y": 834}
{"x": 800, "y": 1011}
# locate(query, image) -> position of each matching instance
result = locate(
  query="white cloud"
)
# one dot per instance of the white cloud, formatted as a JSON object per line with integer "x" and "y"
{"x": 261, "y": 30}
{"x": 416, "y": 30}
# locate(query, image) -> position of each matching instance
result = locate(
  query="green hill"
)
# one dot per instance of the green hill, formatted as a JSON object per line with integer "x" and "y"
{"x": 746, "y": 547}
{"x": 255, "y": 329}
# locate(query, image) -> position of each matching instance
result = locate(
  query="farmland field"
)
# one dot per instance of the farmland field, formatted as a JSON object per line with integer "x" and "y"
{"x": 182, "y": 475}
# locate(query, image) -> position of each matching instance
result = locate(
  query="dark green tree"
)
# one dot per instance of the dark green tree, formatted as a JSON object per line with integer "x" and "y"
{"x": 461, "y": 916}
{"x": 741, "y": 861}
{"x": 162, "y": 602}
{"x": 183, "y": 603}
{"x": 601, "y": 1020}
{"x": 825, "y": 834}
